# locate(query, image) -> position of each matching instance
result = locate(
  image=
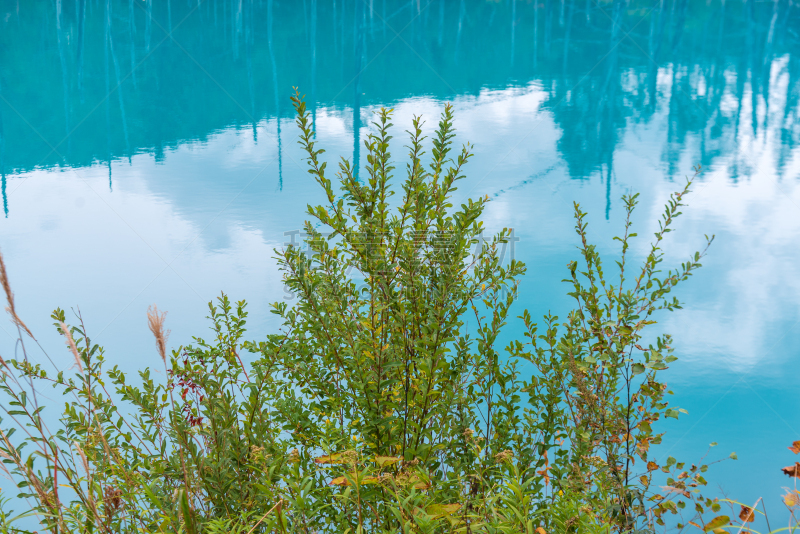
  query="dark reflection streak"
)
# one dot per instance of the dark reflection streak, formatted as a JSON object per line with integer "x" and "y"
{"x": 341, "y": 37}
{"x": 741, "y": 77}
{"x": 64, "y": 74}
{"x": 147, "y": 25}
{"x": 118, "y": 81}
{"x": 363, "y": 32}
{"x": 305, "y": 17}
{"x": 132, "y": 31}
{"x": 232, "y": 14}
{"x": 784, "y": 21}
{"x": 712, "y": 73}
{"x": 567, "y": 34}
{"x": 513, "y": 28}
{"x": 684, "y": 4}
{"x": 656, "y": 38}
{"x": 652, "y": 30}
{"x": 275, "y": 89}
{"x": 81, "y": 31}
{"x": 249, "y": 60}
{"x": 721, "y": 26}
{"x": 755, "y": 71}
{"x": 237, "y": 32}
{"x": 672, "y": 17}
{"x": 3, "y": 184}
{"x": 413, "y": 19}
{"x": 106, "y": 43}
{"x": 767, "y": 61}
{"x": 224, "y": 10}
{"x": 714, "y": 93}
{"x": 314, "y": 63}
{"x": 608, "y": 136}
{"x": 441, "y": 20}
{"x": 535, "y": 33}
{"x": 771, "y": 33}
{"x": 335, "y": 33}
{"x": 792, "y": 96}
{"x": 357, "y": 88}
{"x": 5, "y": 195}
{"x": 461, "y": 12}
{"x": 659, "y": 38}
{"x": 356, "y": 40}
{"x": 673, "y": 126}
{"x": 548, "y": 25}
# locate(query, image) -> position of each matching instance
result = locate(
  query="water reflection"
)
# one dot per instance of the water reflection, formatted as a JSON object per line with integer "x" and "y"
{"x": 199, "y": 67}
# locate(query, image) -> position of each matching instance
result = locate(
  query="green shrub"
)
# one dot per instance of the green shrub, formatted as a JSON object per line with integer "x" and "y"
{"x": 376, "y": 408}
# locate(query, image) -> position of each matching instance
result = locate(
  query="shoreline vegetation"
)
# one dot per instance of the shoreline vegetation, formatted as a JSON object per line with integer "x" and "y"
{"x": 376, "y": 409}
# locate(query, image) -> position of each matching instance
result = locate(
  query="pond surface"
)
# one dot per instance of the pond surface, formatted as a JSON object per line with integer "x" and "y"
{"x": 148, "y": 155}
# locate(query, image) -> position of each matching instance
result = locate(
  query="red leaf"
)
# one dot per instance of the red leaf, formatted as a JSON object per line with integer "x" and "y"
{"x": 747, "y": 515}
{"x": 672, "y": 489}
{"x": 792, "y": 470}
{"x": 795, "y": 448}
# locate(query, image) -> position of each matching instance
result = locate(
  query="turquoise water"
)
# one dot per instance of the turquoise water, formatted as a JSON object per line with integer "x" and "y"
{"x": 148, "y": 155}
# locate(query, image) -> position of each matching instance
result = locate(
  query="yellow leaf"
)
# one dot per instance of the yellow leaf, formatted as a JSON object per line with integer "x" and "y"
{"x": 717, "y": 522}
{"x": 412, "y": 481}
{"x": 441, "y": 510}
{"x": 540, "y": 530}
{"x": 383, "y": 461}
{"x": 342, "y": 481}
{"x": 335, "y": 458}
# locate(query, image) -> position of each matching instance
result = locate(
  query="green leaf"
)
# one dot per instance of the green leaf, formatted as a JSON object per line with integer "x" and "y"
{"x": 186, "y": 512}
{"x": 441, "y": 510}
{"x": 637, "y": 369}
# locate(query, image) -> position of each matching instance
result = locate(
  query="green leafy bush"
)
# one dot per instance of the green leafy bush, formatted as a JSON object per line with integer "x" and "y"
{"x": 376, "y": 408}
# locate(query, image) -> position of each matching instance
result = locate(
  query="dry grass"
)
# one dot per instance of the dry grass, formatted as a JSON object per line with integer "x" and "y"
{"x": 155, "y": 321}
{"x": 10, "y": 298}
{"x": 71, "y": 344}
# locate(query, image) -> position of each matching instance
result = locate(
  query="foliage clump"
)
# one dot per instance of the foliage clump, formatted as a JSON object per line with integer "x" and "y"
{"x": 385, "y": 403}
